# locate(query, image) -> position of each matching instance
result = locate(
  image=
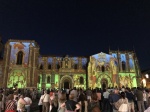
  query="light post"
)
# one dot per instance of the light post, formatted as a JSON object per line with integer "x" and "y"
{"x": 147, "y": 76}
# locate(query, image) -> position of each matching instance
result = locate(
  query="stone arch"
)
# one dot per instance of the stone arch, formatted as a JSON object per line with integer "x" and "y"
{"x": 98, "y": 68}
{"x": 104, "y": 76}
{"x": 64, "y": 79}
{"x": 20, "y": 57}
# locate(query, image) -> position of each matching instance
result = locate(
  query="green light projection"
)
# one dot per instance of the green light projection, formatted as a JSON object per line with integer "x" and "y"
{"x": 56, "y": 80}
{"x": 127, "y": 79}
{"x": 17, "y": 78}
{"x": 77, "y": 81}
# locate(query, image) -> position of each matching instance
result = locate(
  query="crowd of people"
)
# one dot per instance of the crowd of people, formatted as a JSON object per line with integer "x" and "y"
{"x": 76, "y": 100}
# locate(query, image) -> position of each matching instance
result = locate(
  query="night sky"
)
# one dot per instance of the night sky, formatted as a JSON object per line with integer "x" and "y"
{"x": 79, "y": 27}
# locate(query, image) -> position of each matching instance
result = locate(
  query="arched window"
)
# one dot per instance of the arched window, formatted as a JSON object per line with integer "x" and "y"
{"x": 57, "y": 66}
{"x": 19, "y": 58}
{"x": 103, "y": 69}
{"x": 49, "y": 66}
{"x": 41, "y": 66}
{"x": 83, "y": 66}
{"x": 81, "y": 80}
{"x": 39, "y": 79}
{"x": 97, "y": 68}
{"x": 75, "y": 66}
{"x": 123, "y": 66}
{"x": 48, "y": 79}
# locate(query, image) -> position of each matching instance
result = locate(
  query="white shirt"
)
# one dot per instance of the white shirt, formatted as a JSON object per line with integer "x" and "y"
{"x": 28, "y": 100}
{"x": 46, "y": 98}
{"x": 106, "y": 94}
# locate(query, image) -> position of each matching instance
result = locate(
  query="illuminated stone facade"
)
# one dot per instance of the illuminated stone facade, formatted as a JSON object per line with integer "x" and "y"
{"x": 118, "y": 68}
{"x": 24, "y": 66}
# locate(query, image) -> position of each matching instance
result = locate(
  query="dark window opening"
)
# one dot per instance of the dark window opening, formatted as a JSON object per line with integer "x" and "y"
{"x": 48, "y": 79}
{"x": 103, "y": 69}
{"x": 57, "y": 66}
{"x": 49, "y": 66}
{"x": 81, "y": 80}
{"x": 41, "y": 66}
{"x": 75, "y": 66}
{"x": 19, "y": 58}
{"x": 123, "y": 66}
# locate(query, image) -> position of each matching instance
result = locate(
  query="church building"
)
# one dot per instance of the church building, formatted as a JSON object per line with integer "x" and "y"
{"x": 23, "y": 66}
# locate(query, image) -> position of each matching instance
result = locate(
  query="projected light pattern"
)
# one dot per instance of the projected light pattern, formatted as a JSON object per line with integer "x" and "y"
{"x": 18, "y": 78}
{"x": 75, "y": 59}
{"x": 79, "y": 80}
{"x": 103, "y": 71}
{"x": 84, "y": 61}
{"x": 16, "y": 47}
{"x": 50, "y": 60}
{"x": 131, "y": 63}
{"x": 123, "y": 57}
{"x": 114, "y": 55}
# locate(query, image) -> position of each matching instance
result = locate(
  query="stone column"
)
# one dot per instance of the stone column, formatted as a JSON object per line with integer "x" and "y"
{"x": 35, "y": 63}
{"x": 127, "y": 63}
{"x": 6, "y": 63}
{"x": 29, "y": 78}
{"x": 119, "y": 62}
{"x": 43, "y": 80}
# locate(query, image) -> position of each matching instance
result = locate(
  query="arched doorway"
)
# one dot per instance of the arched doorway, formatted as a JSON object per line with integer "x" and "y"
{"x": 66, "y": 85}
{"x": 104, "y": 83}
{"x": 66, "y": 82}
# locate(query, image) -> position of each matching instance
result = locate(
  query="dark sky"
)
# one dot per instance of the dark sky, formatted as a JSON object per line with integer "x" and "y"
{"x": 79, "y": 27}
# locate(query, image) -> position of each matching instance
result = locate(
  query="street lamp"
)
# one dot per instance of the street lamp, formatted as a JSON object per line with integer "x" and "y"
{"x": 147, "y": 76}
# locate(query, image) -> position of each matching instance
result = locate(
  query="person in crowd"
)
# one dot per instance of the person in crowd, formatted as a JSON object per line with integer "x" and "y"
{"x": 1, "y": 97}
{"x": 114, "y": 98}
{"x": 140, "y": 102}
{"x": 54, "y": 104}
{"x": 88, "y": 93}
{"x": 130, "y": 96}
{"x": 145, "y": 98}
{"x": 96, "y": 109}
{"x": 70, "y": 104}
{"x": 29, "y": 102}
{"x": 40, "y": 104}
{"x": 45, "y": 101}
{"x": 10, "y": 104}
{"x": 99, "y": 95}
{"x": 83, "y": 102}
{"x": 74, "y": 91}
{"x": 123, "y": 100}
{"x": 94, "y": 102}
{"x": 109, "y": 98}
{"x": 148, "y": 109}
{"x": 61, "y": 100}
{"x": 67, "y": 94}
{"x": 106, "y": 100}
{"x": 21, "y": 104}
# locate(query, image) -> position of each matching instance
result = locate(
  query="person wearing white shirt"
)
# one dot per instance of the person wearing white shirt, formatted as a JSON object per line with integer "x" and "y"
{"x": 106, "y": 101}
{"x": 45, "y": 101}
{"x": 29, "y": 102}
